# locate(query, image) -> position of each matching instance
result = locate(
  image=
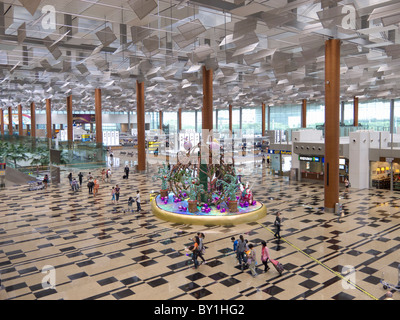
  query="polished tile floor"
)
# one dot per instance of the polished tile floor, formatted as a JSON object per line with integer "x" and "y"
{"x": 92, "y": 249}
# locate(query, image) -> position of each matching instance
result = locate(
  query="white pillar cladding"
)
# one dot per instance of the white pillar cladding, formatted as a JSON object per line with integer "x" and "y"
{"x": 359, "y": 143}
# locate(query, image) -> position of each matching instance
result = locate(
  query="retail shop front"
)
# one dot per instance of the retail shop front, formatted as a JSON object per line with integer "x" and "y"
{"x": 280, "y": 162}
{"x": 381, "y": 173}
{"x": 312, "y": 168}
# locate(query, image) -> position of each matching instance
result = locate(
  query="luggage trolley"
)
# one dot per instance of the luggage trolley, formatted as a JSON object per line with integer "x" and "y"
{"x": 387, "y": 285}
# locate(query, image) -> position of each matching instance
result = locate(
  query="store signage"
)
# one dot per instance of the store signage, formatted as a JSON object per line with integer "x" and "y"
{"x": 280, "y": 152}
{"x": 310, "y": 159}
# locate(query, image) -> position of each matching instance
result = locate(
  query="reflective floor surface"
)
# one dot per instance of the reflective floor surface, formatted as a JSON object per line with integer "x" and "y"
{"x": 57, "y": 244}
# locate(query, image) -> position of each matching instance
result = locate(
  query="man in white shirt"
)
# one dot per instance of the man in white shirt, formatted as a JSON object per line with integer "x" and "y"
{"x": 138, "y": 201}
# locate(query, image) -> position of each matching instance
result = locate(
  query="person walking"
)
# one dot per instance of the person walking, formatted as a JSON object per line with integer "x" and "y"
{"x": 74, "y": 185}
{"x": 126, "y": 171}
{"x": 130, "y": 203}
{"x": 80, "y": 177}
{"x": 103, "y": 175}
{"x": 96, "y": 187}
{"x": 113, "y": 195}
{"x": 241, "y": 248}
{"x": 202, "y": 248}
{"x": 45, "y": 181}
{"x": 235, "y": 244}
{"x": 252, "y": 260}
{"x": 70, "y": 178}
{"x": 137, "y": 199}
{"x": 195, "y": 251}
{"x": 278, "y": 224}
{"x": 264, "y": 255}
{"x": 90, "y": 185}
{"x": 117, "y": 190}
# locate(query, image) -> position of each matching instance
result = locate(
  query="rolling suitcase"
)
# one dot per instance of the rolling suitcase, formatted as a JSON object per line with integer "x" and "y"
{"x": 278, "y": 266}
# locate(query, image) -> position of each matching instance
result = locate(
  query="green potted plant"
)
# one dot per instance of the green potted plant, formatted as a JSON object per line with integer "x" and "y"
{"x": 164, "y": 175}
{"x": 194, "y": 190}
{"x": 230, "y": 191}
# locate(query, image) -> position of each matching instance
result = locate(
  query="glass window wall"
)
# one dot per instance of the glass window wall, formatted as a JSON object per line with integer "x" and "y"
{"x": 284, "y": 117}
{"x": 188, "y": 120}
{"x": 171, "y": 119}
{"x": 374, "y": 115}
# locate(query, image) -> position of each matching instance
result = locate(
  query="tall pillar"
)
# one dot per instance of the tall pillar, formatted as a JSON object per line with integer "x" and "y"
{"x": 10, "y": 121}
{"x": 20, "y": 122}
{"x": 230, "y": 120}
{"x": 179, "y": 120}
{"x": 207, "y": 123}
{"x": 263, "y": 120}
{"x": 33, "y": 120}
{"x": 48, "y": 119}
{"x": 2, "y": 122}
{"x": 98, "y": 116}
{"x": 70, "y": 122}
{"x": 269, "y": 118}
{"x": 304, "y": 114}
{"x": 332, "y": 104}
{"x": 207, "y": 112}
{"x": 141, "y": 126}
{"x": 160, "y": 118}
{"x": 355, "y": 111}
{"x": 391, "y": 121}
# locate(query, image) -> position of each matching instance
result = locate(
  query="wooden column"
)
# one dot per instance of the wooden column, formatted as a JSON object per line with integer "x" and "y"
{"x": 207, "y": 125}
{"x": 160, "y": 118}
{"x": 230, "y": 120}
{"x": 48, "y": 119}
{"x": 263, "y": 120}
{"x": 70, "y": 122}
{"x": 10, "y": 121}
{"x": 20, "y": 122}
{"x": 141, "y": 126}
{"x": 179, "y": 120}
{"x": 98, "y": 116}
{"x": 207, "y": 112}
{"x": 355, "y": 112}
{"x": 304, "y": 114}
{"x": 332, "y": 110}
{"x": 33, "y": 120}
{"x": 2, "y": 122}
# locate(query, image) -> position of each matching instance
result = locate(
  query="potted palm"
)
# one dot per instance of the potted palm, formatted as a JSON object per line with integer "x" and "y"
{"x": 230, "y": 191}
{"x": 194, "y": 190}
{"x": 164, "y": 175}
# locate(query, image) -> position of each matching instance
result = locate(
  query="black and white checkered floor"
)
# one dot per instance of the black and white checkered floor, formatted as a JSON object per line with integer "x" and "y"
{"x": 97, "y": 251}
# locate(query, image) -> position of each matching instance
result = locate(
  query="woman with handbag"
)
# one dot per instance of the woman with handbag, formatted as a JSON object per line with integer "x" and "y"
{"x": 202, "y": 248}
{"x": 195, "y": 251}
{"x": 264, "y": 255}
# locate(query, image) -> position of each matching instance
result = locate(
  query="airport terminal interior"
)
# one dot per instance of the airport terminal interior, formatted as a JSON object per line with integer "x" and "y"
{"x": 292, "y": 107}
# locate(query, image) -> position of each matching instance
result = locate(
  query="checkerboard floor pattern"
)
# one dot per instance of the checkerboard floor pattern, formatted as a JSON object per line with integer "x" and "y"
{"x": 102, "y": 251}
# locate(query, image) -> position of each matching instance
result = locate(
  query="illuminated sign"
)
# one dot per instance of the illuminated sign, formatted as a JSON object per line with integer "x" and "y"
{"x": 311, "y": 159}
{"x": 280, "y": 152}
